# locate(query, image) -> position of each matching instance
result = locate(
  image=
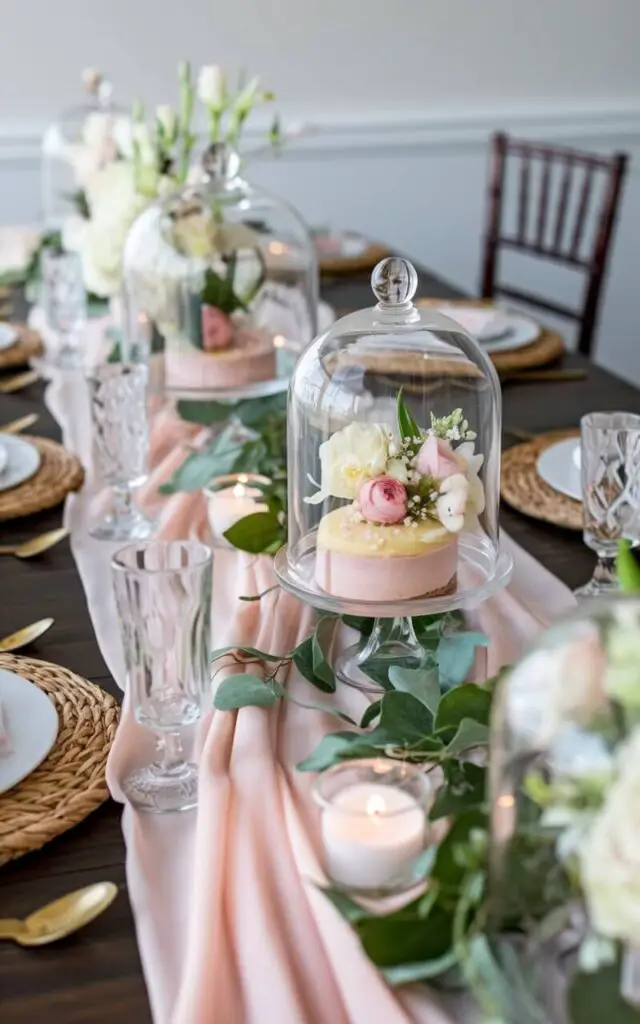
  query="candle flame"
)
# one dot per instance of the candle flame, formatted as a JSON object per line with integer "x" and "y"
{"x": 376, "y": 805}
{"x": 279, "y": 341}
{"x": 239, "y": 491}
{"x": 505, "y": 801}
{"x": 276, "y": 248}
{"x": 243, "y": 478}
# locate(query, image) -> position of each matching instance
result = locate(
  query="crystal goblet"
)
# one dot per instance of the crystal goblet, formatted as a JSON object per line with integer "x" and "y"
{"x": 163, "y": 598}
{"x": 65, "y": 303}
{"x": 610, "y": 468}
{"x": 120, "y": 436}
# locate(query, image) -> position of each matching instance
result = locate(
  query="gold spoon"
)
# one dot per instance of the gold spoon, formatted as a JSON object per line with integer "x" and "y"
{"x": 36, "y": 545}
{"x": 21, "y": 380}
{"x": 25, "y": 636}
{"x": 15, "y": 426}
{"x": 60, "y": 918}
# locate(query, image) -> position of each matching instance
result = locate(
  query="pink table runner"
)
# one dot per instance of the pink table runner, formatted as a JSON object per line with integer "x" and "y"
{"x": 230, "y": 924}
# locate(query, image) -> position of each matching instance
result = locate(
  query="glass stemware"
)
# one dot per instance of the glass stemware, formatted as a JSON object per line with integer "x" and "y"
{"x": 610, "y": 468}
{"x": 65, "y": 303}
{"x": 163, "y": 598}
{"x": 117, "y": 398}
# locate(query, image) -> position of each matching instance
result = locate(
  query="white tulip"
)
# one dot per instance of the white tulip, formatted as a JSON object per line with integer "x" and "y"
{"x": 212, "y": 86}
{"x": 167, "y": 118}
{"x": 247, "y": 97}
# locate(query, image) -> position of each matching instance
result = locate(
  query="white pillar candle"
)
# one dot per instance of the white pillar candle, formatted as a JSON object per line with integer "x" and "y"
{"x": 232, "y": 503}
{"x": 372, "y": 834}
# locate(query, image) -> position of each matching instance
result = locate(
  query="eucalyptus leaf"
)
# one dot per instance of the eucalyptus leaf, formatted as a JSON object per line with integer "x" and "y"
{"x": 321, "y": 667}
{"x": 370, "y": 715}
{"x": 303, "y": 659}
{"x": 421, "y": 867}
{"x": 421, "y": 682}
{"x": 403, "y": 720}
{"x": 199, "y": 468}
{"x": 253, "y": 652}
{"x": 470, "y": 734}
{"x": 254, "y": 411}
{"x": 467, "y": 701}
{"x": 326, "y": 708}
{"x": 363, "y": 625}
{"x": 255, "y": 533}
{"x": 628, "y": 568}
{"x": 455, "y": 656}
{"x": 244, "y": 691}
{"x": 336, "y": 747}
{"x": 403, "y": 937}
{"x": 350, "y": 910}
{"x": 446, "y": 870}
{"x": 406, "y": 974}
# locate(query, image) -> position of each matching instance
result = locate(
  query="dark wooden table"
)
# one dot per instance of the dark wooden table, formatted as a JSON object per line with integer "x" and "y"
{"x": 95, "y": 976}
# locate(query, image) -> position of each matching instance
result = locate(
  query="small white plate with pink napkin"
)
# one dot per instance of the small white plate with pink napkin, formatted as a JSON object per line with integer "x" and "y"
{"x": 28, "y": 728}
{"x": 559, "y": 467}
{"x": 496, "y": 329}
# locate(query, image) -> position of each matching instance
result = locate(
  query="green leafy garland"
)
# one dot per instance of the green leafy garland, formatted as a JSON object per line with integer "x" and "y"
{"x": 429, "y": 716}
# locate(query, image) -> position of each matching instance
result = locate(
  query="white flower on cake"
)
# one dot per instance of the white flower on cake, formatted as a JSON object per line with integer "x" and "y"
{"x": 610, "y": 855}
{"x": 351, "y": 456}
{"x": 440, "y": 482}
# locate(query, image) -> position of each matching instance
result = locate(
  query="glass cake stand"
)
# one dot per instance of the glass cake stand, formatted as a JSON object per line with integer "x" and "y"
{"x": 393, "y": 639}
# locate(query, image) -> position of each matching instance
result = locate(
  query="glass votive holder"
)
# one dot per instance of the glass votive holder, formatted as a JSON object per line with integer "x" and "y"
{"x": 374, "y": 824}
{"x": 230, "y": 498}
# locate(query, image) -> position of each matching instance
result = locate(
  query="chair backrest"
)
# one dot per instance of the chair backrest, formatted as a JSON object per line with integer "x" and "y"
{"x": 557, "y": 229}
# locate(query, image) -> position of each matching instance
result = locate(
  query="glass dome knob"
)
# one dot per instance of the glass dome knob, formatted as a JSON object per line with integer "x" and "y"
{"x": 394, "y": 282}
{"x": 220, "y": 162}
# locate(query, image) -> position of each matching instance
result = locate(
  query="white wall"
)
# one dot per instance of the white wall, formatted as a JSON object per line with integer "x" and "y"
{"x": 404, "y": 94}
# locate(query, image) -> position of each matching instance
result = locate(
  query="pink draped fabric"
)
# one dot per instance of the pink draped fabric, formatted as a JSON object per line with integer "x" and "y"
{"x": 231, "y": 925}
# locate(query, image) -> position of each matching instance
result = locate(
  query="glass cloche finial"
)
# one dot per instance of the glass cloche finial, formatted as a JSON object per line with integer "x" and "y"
{"x": 394, "y": 282}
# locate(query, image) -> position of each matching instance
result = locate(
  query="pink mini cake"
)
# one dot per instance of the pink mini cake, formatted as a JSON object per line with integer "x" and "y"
{"x": 356, "y": 560}
{"x": 248, "y": 359}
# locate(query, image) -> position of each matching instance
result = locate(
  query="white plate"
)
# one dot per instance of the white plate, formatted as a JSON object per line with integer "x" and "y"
{"x": 559, "y": 467}
{"x": 23, "y": 460}
{"x": 4, "y": 458}
{"x": 8, "y": 336}
{"x": 340, "y": 245}
{"x": 496, "y": 330}
{"x": 32, "y": 723}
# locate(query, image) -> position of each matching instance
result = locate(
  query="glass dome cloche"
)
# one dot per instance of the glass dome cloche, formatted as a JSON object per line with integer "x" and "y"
{"x": 394, "y": 459}
{"x": 221, "y": 279}
{"x": 564, "y": 883}
{"x": 74, "y": 146}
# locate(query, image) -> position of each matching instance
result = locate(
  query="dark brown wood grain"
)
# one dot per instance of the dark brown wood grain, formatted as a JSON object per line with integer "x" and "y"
{"x": 95, "y": 977}
{"x": 533, "y": 206}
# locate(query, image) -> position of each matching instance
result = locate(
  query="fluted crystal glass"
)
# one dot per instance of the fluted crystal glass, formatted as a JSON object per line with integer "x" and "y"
{"x": 610, "y": 467}
{"x": 163, "y": 598}
{"x": 65, "y": 304}
{"x": 120, "y": 442}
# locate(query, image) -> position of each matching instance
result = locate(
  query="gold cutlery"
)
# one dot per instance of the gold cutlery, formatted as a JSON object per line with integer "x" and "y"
{"x": 25, "y": 636}
{"x": 62, "y": 917}
{"x": 15, "y": 426}
{"x": 35, "y": 546}
{"x": 21, "y": 380}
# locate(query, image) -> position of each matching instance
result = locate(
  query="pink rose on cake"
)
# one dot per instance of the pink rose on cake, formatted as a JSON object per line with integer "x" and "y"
{"x": 217, "y": 329}
{"x": 382, "y": 501}
{"x": 436, "y": 458}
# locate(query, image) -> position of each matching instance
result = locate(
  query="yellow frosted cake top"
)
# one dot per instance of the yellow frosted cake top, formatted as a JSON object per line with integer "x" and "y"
{"x": 344, "y": 532}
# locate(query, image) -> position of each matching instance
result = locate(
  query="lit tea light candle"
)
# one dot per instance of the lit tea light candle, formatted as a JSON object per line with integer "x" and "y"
{"x": 231, "y": 498}
{"x": 374, "y": 824}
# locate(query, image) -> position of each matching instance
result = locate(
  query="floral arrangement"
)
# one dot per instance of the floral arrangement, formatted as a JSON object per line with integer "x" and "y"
{"x": 405, "y": 475}
{"x": 122, "y": 163}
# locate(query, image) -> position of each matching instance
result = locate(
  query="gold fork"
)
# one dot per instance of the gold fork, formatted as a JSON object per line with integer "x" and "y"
{"x": 21, "y": 380}
{"x": 15, "y": 426}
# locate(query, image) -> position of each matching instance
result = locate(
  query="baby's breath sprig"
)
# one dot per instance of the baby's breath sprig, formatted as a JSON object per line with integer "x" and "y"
{"x": 453, "y": 427}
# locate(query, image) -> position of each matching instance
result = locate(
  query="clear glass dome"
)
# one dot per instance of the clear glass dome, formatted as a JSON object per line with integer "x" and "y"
{"x": 221, "y": 279}
{"x": 394, "y": 460}
{"x": 74, "y": 146}
{"x": 564, "y": 775}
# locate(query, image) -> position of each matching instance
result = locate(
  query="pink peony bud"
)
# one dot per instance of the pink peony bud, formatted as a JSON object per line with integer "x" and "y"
{"x": 436, "y": 458}
{"x": 217, "y": 329}
{"x": 382, "y": 500}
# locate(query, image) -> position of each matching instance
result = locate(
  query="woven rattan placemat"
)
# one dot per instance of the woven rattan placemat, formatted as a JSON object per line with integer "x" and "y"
{"x": 547, "y": 348}
{"x": 70, "y": 782}
{"x": 524, "y": 490}
{"x": 60, "y": 473}
{"x": 28, "y": 345}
